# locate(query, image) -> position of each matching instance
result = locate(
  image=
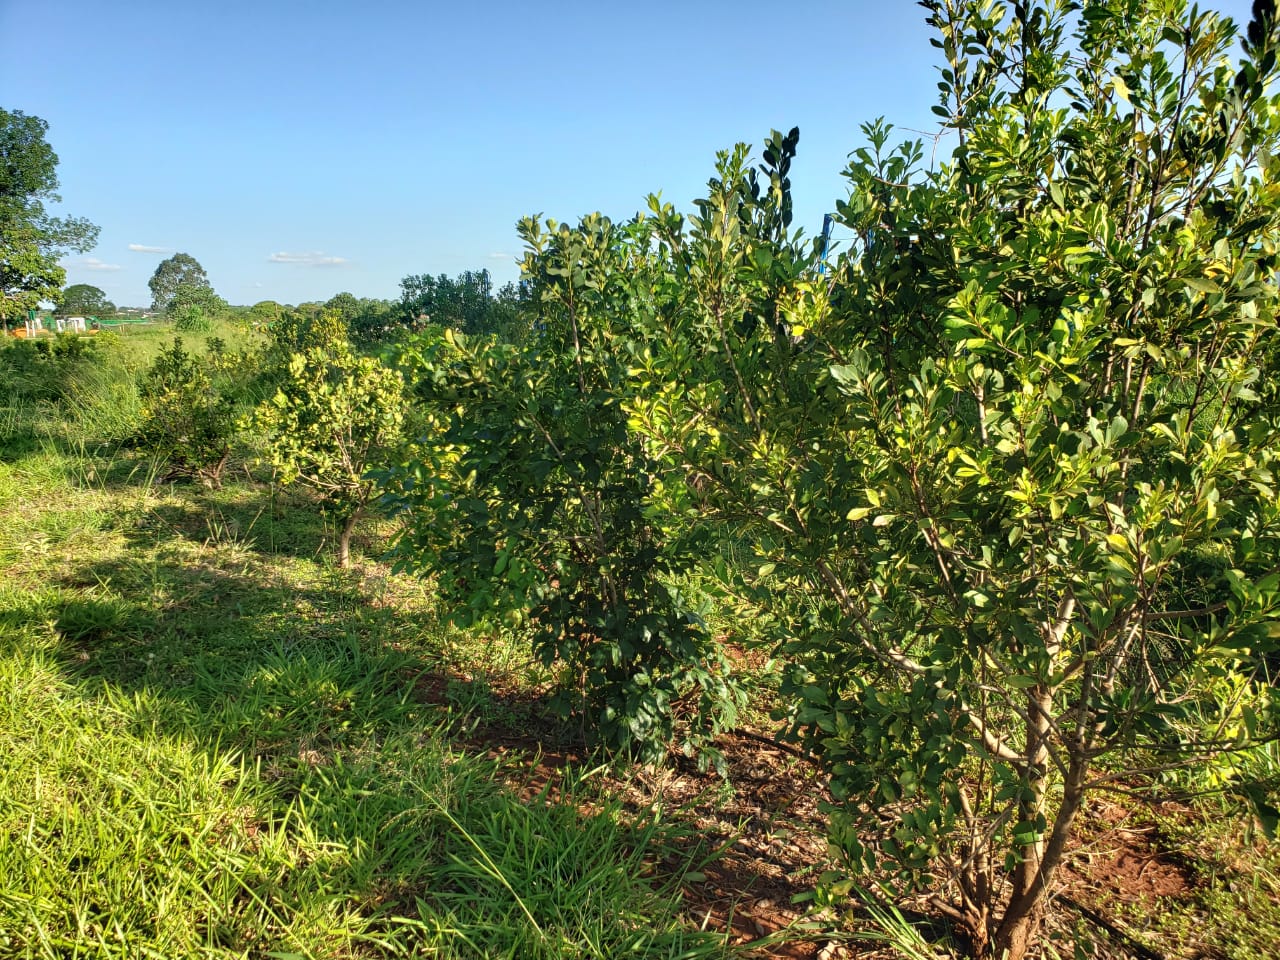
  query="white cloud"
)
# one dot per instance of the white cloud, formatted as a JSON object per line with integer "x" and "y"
{"x": 313, "y": 259}
{"x": 144, "y": 248}
{"x": 93, "y": 263}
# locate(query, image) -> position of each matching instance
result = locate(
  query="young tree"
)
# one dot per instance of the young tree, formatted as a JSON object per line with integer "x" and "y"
{"x": 1009, "y": 466}
{"x": 194, "y": 307}
{"x": 364, "y": 318}
{"x": 180, "y": 270}
{"x": 335, "y": 416}
{"x": 1008, "y": 470}
{"x": 186, "y": 420}
{"x": 31, "y": 241}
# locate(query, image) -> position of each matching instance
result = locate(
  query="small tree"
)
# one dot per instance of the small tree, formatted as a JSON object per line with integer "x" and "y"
{"x": 1009, "y": 469}
{"x": 264, "y": 313}
{"x": 467, "y": 303}
{"x": 194, "y": 307}
{"x": 1009, "y": 466}
{"x": 334, "y": 416}
{"x": 186, "y": 420}
{"x": 297, "y": 331}
{"x": 529, "y": 503}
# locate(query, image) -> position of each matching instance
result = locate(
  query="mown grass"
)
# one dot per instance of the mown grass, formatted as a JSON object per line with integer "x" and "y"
{"x": 214, "y": 745}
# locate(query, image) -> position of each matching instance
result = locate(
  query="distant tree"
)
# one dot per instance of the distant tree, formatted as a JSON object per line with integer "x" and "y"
{"x": 366, "y": 318}
{"x": 466, "y": 303}
{"x": 512, "y": 313}
{"x": 309, "y": 308}
{"x": 264, "y": 313}
{"x": 194, "y": 307}
{"x": 82, "y": 300}
{"x": 31, "y": 241}
{"x": 181, "y": 269}
{"x": 344, "y": 304}
{"x": 460, "y": 304}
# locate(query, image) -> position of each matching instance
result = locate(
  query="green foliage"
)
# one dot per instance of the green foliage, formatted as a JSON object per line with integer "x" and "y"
{"x": 1048, "y": 435}
{"x": 69, "y": 389}
{"x": 363, "y": 318}
{"x": 186, "y": 420}
{"x": 180, "y": 270}
{"x": 466, "y": 303}
{"x": 296, "y": 331}
{"x": 31, "y": 241}
{"x": 530, "y": 500}
{"x": 264, "y": 313}
{"x": 334, "y": 416}
{"x": 83, "y": 300}
{"x": 997, "y": 449}
{"x": 46, "y": 369}
{"x": 1006, "y": 472}
{"x": 194, "y": 307}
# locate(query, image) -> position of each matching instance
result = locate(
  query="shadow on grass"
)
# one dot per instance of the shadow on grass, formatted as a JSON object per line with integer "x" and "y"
{"x": 314, "y": 679}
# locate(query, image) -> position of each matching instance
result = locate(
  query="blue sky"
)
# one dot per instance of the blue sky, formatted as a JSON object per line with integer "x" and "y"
{"x": 301, "y": 149}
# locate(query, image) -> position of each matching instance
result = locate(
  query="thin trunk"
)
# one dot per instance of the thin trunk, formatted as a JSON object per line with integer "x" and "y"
{"x": 214, "y": 473}
{"x": 344, "y": 537}
{"x": 1022, "y": 917}
{"x": 1020, "y": 926}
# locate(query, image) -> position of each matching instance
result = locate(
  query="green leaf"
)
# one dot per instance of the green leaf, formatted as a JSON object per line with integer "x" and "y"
{"x": 1201, "y": 285}
{"x": 1264, "y": 810}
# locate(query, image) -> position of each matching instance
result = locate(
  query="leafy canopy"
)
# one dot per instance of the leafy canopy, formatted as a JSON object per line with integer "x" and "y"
{"x": 187, "y": 420}
{"x": 1005, "y": 471}
{"x": 32, "y": 241}
{"x": 335, "y": 415}
{"x": 172, "y": 275}
{"x": 83, "y": 299}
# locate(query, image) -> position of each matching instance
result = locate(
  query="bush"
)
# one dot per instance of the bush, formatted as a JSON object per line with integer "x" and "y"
{"x": 186, "y": 420}
{"x": 529, "y": 500}
{"x": 47, "y": 369}
{"x": 1006, "y": 468}
{"x": 334, "y": 416}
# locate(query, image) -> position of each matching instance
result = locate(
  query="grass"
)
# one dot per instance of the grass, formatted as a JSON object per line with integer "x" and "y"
{"x": 214, "y": 747}
{"x": 1234, "y": 907}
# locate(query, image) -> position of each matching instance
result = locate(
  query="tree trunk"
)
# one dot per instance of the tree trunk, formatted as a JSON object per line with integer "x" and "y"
{"x": 1022, "y": 919}
{"x": 213, "y": 473}
{"x": 1013, "y": 938}
{"x": 344, "y": 538}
